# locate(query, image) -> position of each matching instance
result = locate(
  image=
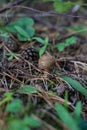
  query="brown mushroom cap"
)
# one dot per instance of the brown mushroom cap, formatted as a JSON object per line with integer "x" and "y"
{"x": 46, "y": 62}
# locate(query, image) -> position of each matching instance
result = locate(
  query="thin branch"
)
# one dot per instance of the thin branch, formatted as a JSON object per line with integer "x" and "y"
{"x": 40, "y": 13}
{"x": 9, "y": 6}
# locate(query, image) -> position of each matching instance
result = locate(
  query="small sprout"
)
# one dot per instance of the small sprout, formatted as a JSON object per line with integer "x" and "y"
{"x": 11, "y": 55}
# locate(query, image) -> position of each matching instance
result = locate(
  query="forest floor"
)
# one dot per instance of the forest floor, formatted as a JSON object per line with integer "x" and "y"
{"x": 57, "y": 76}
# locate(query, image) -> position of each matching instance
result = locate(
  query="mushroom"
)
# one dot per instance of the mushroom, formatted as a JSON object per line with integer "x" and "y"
{"x": 46, "y": 62}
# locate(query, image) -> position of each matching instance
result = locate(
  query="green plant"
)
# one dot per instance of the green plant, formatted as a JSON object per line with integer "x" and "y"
{"x": 23, "y": 28}
{"x": 26, "y": 123}
{"x": 72, "y": 122}
{"x": 44, "y": 42}
{"x": 12, "y": 55}
{"x": 75, "y": 84}
{"x": 14, "y": 106}
{"x": 66, "y": 99}
{"x": 17, "y": 118}
{"x": 81, "y": 29}
{"x": 4, "y": 34}
{"x": 69, "y": 41}
{"x": 62, "y": 6}
{"x": 8, "y": 96}
{"x": 27, "y": 89}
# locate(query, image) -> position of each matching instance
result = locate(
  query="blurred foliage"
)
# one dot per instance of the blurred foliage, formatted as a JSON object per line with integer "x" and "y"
{"x": 17, "y": 110}
{"x": 67, "y": 43}
{"x": 72, "y": 122}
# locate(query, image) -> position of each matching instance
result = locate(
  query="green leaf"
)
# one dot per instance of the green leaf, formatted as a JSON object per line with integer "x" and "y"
{"x": 71, "y": 40}
{"x": 80, "y": 28}
{"x": 46, "y": 41}
{"x": 21, "y": 32}
{"x": 83, "y": 125}
{"x": 58, "y": 6}
{"x": 78, "y": 109}
{"x": 5, "y": 35}
{"x": 31, "y": 122}
{"x": 27, "y": 89}
{"x": 66, "y": 117}
{"x": 66, "y": 99}
{"x": 39, "y": 40}
{"x": 61, "y": 6}
{"x": 76, "y": 85}
{"x": 11, "y": 57}
{"x": 30, "y": 31}
{"x": 25, "y": 22}
{"x": 8, "y": 96}
{"x": 60, "y": 46}
{"x": 22, "y": 38}
{"x": 10, "y": 28}
{"x": 42, "y": 50}
{"x": 17, "y": 124}
{"x": 16, "y": 54}
{"x": 22, "y": 27}
{"x": 77, "y": 112}
{"x": 14, "y": 106}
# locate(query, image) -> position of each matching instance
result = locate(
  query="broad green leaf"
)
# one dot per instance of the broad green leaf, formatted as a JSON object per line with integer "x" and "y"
{"x": 25, "y": 22}
{"x": 22, "y": 38}
{"x": 21, "y": 32}
{"x": 60, "y": 46}
{"x": 61, "y": 6}
{"x": 10, "y": 28}
{"x": 71, "y": 40}
{"x": 22, "y": 27}
{"x": 17, "y": 124}
{"x": 76, "y": 85}
{"x": 31, "y": 122}
{"x": 28, "y": 89}
{"x": 30, "y": 31}
{"x": 14, "y": 106}
{"x": 66, "y": 117}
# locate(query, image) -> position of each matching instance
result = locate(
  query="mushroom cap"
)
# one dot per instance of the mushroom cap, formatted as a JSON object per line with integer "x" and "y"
{"x": 46, "y": 62}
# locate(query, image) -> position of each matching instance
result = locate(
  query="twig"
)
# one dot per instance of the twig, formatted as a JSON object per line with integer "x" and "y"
{"x": 11, "y": 76}
{"x": 40, "y": 13}
{"x": 11, "y": 5}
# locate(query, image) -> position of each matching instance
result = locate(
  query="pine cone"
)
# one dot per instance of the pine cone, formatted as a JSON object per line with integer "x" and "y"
{"x": 30, "y": 54}
{"x": 11, "y": 44}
